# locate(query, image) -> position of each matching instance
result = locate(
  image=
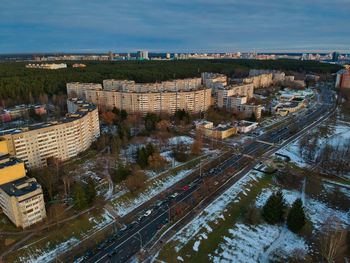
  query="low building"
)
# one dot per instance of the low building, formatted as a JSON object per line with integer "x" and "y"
{"x": 51, "y": 66}
{"x": 76, "y": 65}
{"x": 246, "y": 126}
{"x": 21, "y": 111}
{"x": 221, "y": 131}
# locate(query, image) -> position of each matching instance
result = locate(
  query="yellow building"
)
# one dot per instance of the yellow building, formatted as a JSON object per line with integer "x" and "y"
{"x": 219, "y": 132}
{"x": 10, "y": 168}
{"x": 21, "y": 198}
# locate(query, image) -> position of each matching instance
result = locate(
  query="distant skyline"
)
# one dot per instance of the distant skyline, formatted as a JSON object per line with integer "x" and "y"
{"x": 77, "y": 26}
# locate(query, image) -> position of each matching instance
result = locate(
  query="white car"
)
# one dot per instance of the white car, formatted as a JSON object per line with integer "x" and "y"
{"x": 148, "y": 212}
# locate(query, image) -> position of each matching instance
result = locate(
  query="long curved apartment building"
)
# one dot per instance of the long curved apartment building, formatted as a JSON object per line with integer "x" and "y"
{"x": 166, "y": 96}
{"x": 65, "y": 139}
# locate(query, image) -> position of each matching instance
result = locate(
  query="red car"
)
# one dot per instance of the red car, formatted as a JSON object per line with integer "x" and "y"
{"x": 185, "y": 188}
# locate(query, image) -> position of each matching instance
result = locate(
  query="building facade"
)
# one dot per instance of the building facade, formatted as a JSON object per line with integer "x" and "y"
{"x": 22, "y": 201}
{"x": 21, "y": 198}
{"x": 62, "y": 140}
{"x": 167, "y": 96}
{"x": 343, "y": 79}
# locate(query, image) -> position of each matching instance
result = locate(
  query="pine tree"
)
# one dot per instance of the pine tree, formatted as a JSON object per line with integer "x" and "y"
{"x": 296, "y": 216}
{"x": 281, "y": 206}
{"x": 79, "y": 197}
{"x": 273, "y": 210}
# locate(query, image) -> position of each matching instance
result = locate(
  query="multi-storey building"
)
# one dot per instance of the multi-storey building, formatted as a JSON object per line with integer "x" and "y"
{"x": 22, "y": 201}
{"x": 260, "y": 81}
{"x": 222, "y": 94}
{"x": 166, "y": 96}
{"x": 343, "y": 78}
{"x": 65, "y": 139}
{"x": 214, "y": 80}
{"x": 21, "y": 198}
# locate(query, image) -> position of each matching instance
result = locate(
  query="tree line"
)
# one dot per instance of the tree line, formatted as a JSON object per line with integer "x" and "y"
{"x": 18, "y": 82}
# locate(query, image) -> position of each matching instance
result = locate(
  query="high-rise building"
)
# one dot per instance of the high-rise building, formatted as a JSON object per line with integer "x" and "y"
{"x": 167, "y": 96}
{"x": 142, "y": 54}
{"x": 335, "y": 56}
{"x": 110, "y": 55}
{"x": 21, "y": 197}
{"x": 167, "y": 56}
{"x": 63, "y": 140}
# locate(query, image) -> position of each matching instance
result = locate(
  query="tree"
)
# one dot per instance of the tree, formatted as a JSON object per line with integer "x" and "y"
{"x": 121, "y": 173}
{"x": 151, "y": 120}
{"x": 108, "y": 117}
{"x": 156, "y": 161}
{"x": 273, "y": 210}
{"x": 79, "y": 197}
{"x": 135, "y": 181}
{"x": 90, "y": 191}
{"x": 332, "y": 239}
{"x": 197, "y": 146}
{"x": 296, "y": 217}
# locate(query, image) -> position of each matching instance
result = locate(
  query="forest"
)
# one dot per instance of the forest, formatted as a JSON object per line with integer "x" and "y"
{"x": 18, "y": 83}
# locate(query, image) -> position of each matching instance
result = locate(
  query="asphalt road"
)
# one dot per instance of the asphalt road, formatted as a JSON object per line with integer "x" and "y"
{"x": 124, "y": 244}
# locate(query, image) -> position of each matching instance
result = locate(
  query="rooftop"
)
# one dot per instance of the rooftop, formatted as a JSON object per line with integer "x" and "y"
{"x": 20, "y": 186}
{"x": 83, "y": 109}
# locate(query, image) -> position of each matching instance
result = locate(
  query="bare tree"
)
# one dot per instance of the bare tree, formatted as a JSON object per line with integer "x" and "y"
{"x": 332, "y": 239}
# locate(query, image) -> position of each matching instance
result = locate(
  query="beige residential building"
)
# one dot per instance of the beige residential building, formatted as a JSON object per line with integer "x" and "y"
{"x": 21, "y": 198}
{"x": 260, "y": 81}
{"x": 167, "y": 96}
{"x": 62, "y": 140}
{"x": 244, "y": 90}
{"x": 22, "y": 201}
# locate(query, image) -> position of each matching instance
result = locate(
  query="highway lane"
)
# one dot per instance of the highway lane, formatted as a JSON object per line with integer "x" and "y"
{"x": 123, "y": 247}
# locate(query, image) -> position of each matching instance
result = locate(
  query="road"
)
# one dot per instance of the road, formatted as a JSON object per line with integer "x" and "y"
{"x": 120, "y": 247}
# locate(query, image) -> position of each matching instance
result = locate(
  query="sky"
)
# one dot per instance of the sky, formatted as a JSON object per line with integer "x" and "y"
{"x": 28, "y": 26}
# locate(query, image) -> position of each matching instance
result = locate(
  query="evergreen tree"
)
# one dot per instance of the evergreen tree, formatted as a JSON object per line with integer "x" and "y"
{"x": 79, "y": 197}
{"x": 296, "y": 216}
{"x": 90, "y": 191}
{"x": 273, "y": 210}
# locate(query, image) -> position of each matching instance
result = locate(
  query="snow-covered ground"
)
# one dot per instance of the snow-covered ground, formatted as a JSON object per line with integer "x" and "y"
{"x": 46, "y": 251}
{"x": 318, "y": 212}
{"x": 339, "y": 135}
{"x": 259, "y": 243}
{"x": 199, "y": 227}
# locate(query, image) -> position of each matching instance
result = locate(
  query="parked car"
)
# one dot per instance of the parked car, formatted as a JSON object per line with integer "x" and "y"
{"x": 185, "y": 188}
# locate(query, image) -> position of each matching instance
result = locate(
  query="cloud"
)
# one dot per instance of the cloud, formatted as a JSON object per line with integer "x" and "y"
{"x": 173, "y": 25}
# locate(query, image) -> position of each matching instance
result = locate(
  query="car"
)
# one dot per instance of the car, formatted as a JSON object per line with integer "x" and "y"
{"x": 216, "y": 183}
{"x": 174, "y": 195}
{"x": 112, "y": 252}
{"x": 185, "y": 188}
{"x": 148, "y": 212}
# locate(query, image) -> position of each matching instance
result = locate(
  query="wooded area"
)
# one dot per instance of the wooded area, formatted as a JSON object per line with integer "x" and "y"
{"x": 18, "y": 84}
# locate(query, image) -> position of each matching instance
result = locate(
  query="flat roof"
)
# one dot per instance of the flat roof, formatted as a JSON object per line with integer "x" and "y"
{"x": 20, "y": 186}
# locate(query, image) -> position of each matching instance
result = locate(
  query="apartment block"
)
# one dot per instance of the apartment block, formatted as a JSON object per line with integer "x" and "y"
{"x": 166, "y": 96}
{"x": 260, "y": 81}
{"x": 22, "y": 201}
{"x": 222, "y": 94}
{"x": 21, "y": 198}
{"x": 63, "y": 140}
